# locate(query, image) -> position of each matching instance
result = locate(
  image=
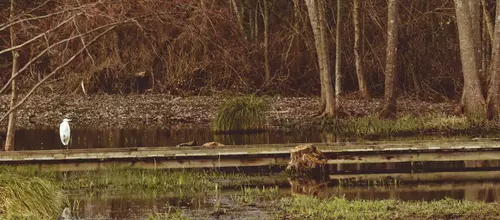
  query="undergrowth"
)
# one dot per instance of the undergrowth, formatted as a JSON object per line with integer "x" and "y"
{"x": 404, "y": 125}
{"x": 305, "y": 207}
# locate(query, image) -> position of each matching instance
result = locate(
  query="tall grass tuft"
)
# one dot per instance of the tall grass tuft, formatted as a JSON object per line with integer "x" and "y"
{"x": 23, "y": 197}
{"x": 246, "y": 113}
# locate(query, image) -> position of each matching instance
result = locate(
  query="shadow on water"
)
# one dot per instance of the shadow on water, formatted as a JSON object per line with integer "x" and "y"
{"x": 115, "y": 138}
{"x": 85, "y": 138}
{"x": 120, "y": 205}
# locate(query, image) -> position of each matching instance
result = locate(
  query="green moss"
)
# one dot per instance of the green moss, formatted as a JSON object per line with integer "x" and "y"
{"x": 304, "y": 207}
{"x": 246, "y": 113}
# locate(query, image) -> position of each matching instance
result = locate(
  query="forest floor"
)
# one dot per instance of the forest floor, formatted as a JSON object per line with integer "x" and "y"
{"x": 136, "y": 111}
{"x": 154, "y": 110}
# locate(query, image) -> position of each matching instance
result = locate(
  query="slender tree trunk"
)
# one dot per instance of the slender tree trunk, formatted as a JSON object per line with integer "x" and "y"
{"x": 316, "y": 10}
{"x": 363, "y": 87}
{"x": 493, "y": 100}
{"x": 239, "y": 16}
{"x": 472, "y": 98}
{"x": 11, "y": 127}
{"x": 266, "y": 43}
{"x": 338, "y": 56}
{"x": 475, "y": 14}
{"x": 389, "y": 110}
{"x": 487, "y": 19}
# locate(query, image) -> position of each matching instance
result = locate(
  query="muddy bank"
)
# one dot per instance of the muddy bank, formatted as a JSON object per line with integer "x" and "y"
{"x": 139, "y": 111}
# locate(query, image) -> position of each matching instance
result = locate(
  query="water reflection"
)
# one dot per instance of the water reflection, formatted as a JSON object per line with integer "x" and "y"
{"x": 115, "y": 138}
{"x": 84, "y": 138}
{"x": 127, "y": 205}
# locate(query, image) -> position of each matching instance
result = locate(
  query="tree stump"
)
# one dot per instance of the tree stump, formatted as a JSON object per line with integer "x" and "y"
{"x": 307, "y": 161}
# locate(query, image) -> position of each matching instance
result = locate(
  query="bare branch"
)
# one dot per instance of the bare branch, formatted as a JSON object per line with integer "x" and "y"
{"x": 53, "y": 45}
{"x": 7, "y": 25}
{"x": 54, "y": 72}
{"x": 39, "y": 36}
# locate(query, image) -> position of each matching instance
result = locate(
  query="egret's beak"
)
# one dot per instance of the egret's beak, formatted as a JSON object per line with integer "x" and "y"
{"x": 69, "y": 119}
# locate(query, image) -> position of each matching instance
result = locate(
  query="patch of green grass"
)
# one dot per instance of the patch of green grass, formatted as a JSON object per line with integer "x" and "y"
{"x": 251, "y": 195}
{"x": 403, "y": 125}
{"x": 158, "y": 180}
{"x": 305, "y": 207}
{"x": 28, "y": 197}
{"x": 247, "y": 113}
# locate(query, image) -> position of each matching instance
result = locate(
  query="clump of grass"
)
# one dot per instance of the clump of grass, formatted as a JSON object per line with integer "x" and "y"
{"x": 403, "y": 125}
{"x": 304, "y": 207}
{"x": 251, "y": 195}
{"x": 27, "y": 197}
{"x": 171, "y": 214}
{"x": 158, "y": 180}
{"x": 246, "y": 113}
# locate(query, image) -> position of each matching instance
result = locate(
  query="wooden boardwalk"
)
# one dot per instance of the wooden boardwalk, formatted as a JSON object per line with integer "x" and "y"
{"x": 254, "y": 155}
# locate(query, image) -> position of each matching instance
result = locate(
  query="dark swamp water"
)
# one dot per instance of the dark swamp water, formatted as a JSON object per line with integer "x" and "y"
{"x": 138, "y": 205}
{"x": 134, "y": 205}
{"x": 83, "y": 138}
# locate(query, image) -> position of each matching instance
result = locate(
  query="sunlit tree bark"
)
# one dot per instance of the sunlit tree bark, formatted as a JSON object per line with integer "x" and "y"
{"x": 472, "y": 99}
{"x": 363, "y": 87}
{"x": 316, "y": 10}
{"x": 389, "y": 110}
{"x": 11, "y": 127}
{"x": 493, "y": 99}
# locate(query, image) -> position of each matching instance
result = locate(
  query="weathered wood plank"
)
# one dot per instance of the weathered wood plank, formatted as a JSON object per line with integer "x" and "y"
{"x": 255, "y": 155}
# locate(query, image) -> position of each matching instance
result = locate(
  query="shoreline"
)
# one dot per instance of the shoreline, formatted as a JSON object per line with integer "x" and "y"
{"x": 166, "y": 111}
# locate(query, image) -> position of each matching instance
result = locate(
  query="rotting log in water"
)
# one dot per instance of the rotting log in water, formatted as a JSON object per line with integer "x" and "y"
{"x": 307, "y": 160}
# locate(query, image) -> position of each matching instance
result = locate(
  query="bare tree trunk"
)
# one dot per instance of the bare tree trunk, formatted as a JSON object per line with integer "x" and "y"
{"x": 266, "y": 43}
{"x": 363, "y": 87}
{"x": 487, "y": 19}
{"x": 389, "y": 110}
{"x": 316, "y": 10}
{"x": 475, "y": 14}
{"x": 338, "y": 56}
{"x": 11, "y": 127}
{"x": 239, "y": 16}
{"x": 472, "y": 98}
{"x": 493, "y": 100}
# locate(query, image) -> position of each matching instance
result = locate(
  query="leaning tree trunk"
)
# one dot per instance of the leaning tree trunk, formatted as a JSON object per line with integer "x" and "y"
{"x": 389, "y": 110}
{"x": 11, "y": 127}
{"x": 316, "y": 10}
{"x": 363, "y": 87}
{"x": 493, "y": 100}
{"x": 472, "y": 99}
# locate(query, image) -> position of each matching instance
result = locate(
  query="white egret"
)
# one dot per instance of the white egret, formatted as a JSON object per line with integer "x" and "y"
{"x": 65, "y": 132}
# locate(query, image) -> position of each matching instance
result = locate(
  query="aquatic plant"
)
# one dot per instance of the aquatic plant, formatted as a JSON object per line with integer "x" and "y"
{"x": 172, "y": 213}
{"x": 247, "y": 113}
{"x": 27, "y": 197}
{"x": 250, "y": 195}
{"x": 306, "y": 207}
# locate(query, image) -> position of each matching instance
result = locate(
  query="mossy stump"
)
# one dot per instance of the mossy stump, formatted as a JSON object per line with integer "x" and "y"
{"x": 307, "y": 161}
